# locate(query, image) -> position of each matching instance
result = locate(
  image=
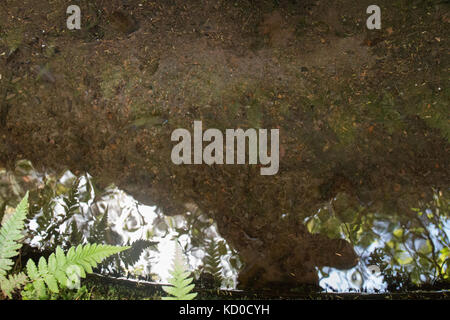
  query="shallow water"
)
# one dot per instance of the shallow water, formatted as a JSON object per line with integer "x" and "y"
{"x": 345, "y": 181}
{"x": 394, "y": 253}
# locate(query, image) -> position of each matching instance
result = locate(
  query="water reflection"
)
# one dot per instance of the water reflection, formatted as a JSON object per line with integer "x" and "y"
{"x": 395, "y": 251}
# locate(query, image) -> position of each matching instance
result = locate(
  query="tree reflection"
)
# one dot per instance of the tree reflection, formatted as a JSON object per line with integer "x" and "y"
{"x": 408, "y": 248}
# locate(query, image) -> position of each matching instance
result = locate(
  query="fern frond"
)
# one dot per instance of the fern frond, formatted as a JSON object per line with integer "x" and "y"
{"x": 130, "y": 257}
{"x": 71, "y": 200}
{"x": 98, "y": 231}
{"x": 10, "y": 234}
{"x": 181, "y": 283}
{"x": 212, "y": 262}
{"x": 60, "y": 269}
{"x": 75, "y": 236}
{"x": 12, "y": 282}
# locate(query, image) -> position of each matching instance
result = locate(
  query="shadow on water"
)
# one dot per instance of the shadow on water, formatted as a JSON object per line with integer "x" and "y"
{"x": 396, "y": 252}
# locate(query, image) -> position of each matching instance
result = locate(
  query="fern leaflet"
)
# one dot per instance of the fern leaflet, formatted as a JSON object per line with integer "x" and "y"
{"x": 212, "y": 264}
{"x": 12, "y": 282}
{"x": 10, "y": 234}
{"x": 181, "y": 283}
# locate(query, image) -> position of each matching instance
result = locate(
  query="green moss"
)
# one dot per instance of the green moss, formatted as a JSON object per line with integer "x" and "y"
{"x": 112, "y": 79}
{"x": 13, "y": 39}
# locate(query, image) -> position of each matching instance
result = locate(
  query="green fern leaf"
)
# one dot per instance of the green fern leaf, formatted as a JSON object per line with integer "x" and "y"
{"x": 181, "y": 283}
{"x": 60, "y": 269}
{"x": 52, "y": 264}
{"x": 60, "y": 257}
{"x": 32, "y": 270}
{"x": 42, "y": 265}
{"x": 47, "y": 274}
{"x": 8, "y": 285}
{"x": 61, "y": 276}
{"x": 50, "y": 281}
{"x": 39, "y": 287}
{"x": 10, "y": 234}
